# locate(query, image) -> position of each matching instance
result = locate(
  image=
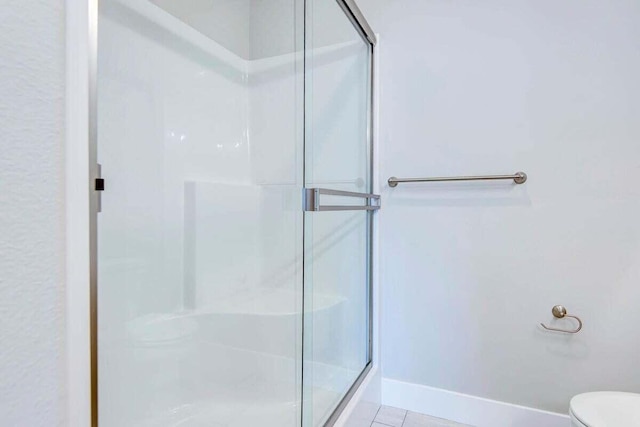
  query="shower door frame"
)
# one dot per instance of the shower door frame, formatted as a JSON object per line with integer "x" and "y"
{"x": 83, "y": 198}
{"x": 357, "y": 19}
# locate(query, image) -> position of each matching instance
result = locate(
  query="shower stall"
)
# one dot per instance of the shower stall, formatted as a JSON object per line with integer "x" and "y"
{"x": 233, "y": 211}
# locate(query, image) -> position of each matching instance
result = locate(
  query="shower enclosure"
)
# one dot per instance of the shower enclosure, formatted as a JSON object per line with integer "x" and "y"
{"x": 231, "y": 267}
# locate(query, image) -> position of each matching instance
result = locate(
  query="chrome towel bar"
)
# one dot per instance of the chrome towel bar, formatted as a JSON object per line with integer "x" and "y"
{"x": 518, "y": 178}
{"x": 311, "y": 200}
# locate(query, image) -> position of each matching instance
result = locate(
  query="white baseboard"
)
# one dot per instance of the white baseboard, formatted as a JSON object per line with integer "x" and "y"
{"x": 466, "y": 409}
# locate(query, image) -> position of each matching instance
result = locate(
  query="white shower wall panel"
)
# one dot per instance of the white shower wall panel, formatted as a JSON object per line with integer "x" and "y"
{"x": 169, "y": 117}
{"x": 225, "y": 21}
{"x": 275, "y": 95}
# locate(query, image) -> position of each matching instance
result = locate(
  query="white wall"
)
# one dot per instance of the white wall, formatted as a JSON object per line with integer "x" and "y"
{"x": 468, "y": 271}
{"x": 32, "y": 387}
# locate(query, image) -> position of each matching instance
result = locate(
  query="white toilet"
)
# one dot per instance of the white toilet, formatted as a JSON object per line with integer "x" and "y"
{"x": 605, "y": 409}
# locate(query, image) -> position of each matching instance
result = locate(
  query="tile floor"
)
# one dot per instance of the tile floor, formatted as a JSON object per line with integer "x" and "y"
{"x": 388, "y": 416}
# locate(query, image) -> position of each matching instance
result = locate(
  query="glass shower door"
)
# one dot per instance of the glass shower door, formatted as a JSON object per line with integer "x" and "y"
{"x": 211, "y": 118}
{"x": 199, "y": 241}
{"x": 337, "y": 347}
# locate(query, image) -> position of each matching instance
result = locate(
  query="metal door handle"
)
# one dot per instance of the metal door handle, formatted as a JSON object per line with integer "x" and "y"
{"x": 311, "y": 200}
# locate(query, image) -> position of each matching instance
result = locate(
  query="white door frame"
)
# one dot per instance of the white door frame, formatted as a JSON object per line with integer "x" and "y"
{"x": 77, "y": 210}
